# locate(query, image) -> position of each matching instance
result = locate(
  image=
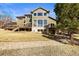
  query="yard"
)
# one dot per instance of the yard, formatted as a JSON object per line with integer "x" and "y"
{"x": 54, "y": 50}
{"x": 10, "y": 36}
{"x": 30, "y": 43}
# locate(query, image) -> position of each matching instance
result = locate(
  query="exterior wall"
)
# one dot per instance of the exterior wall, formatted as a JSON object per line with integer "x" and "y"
{"x": 39, "y": 10}
{"x": 27, "y": 20}
{"x": 20, "y": 22}
{"x": 35, "y": 28}
{"x": 51, "y": 21}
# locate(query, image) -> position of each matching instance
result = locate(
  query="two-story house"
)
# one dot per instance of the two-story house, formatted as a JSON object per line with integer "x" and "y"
{"x": 36, "y": 20}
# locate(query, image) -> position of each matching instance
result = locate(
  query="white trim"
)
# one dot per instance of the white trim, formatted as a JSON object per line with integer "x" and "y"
{"x": 40, "y": 12}
{"x": 43, "y": 22}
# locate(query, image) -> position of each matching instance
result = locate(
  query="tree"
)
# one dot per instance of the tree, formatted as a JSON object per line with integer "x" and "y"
{"x": 67, "y": 15}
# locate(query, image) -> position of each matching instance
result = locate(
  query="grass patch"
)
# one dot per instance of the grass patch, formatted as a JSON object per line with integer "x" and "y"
{"x": 20, "y": 36}
{"x": 62, "y": 50}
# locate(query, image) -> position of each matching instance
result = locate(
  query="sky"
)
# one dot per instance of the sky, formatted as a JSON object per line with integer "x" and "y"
{"x": 19, "y": 9}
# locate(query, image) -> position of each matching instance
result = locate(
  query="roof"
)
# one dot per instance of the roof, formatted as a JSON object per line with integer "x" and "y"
{"x": 52, "y": 18}
{"x": 27, "y": 15}
{"x": 13, "y": 22}
{"x": 40, "y": 8}
{"x": 20, "y": 17}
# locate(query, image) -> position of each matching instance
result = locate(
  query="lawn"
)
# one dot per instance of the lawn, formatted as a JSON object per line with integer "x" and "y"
{"x": 59, "y": 50}
{"x": 10, "y": 36}
{"x": 20, "y": 36}
{"x": 52, "y": 50}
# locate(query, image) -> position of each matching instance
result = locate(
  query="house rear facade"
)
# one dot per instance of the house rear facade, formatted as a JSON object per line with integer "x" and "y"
{"x": 36, "y": 20}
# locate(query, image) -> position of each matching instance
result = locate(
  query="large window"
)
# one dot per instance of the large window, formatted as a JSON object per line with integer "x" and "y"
{"x": 40, "y": 23}
{"x": 40, "y": 14}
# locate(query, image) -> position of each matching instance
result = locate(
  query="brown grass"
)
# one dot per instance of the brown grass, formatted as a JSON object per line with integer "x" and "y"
{"x": 60, "y": 50}
{"x": 20, "y": 36}
{"x": 56, "y": 50}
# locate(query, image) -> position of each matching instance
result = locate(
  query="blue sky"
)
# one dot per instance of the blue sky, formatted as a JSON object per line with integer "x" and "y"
{"x": 18, "y": 9}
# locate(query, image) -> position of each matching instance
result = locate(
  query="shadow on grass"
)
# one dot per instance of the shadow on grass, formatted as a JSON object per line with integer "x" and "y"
{"x": 62, "y": 39}
{"x": 58, "y": 38}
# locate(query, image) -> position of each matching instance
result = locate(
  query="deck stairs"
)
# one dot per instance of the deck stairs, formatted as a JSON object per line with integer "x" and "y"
{"x": 15, "y": 29}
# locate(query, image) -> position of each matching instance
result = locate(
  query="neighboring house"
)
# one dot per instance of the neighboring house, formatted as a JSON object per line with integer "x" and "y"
{"x": 36, "y": 20}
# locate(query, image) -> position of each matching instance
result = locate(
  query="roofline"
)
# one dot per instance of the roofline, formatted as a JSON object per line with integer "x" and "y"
{"x": 27, "y": 15}
{"x": 40, "y": 8}
{"x": 20, "y": 16}
{"x": 52, "y": 18}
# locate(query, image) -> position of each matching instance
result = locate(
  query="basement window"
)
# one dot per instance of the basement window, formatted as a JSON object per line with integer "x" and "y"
{"x": 40, "y": 30}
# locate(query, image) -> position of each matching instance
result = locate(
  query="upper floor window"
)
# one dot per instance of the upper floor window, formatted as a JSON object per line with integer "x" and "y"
{"x": 34, "y": 14}
{"x": 45, "y": 14}
{"x": 40, "y": 14}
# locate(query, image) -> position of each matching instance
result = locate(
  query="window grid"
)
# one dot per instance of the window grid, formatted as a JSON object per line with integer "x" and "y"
{"x": 40, "y": 14}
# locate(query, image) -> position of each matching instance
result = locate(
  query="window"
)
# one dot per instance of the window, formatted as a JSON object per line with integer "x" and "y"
{"x": 35, "y": 22}
{"x": 24, "y": 21}
{"x": 45, "y": 14}
{"x": 40, "y": 14}
{"x": 34, "y": 14}
{"x": 45, "y": 22}
{"x": 40, "y": 23}
{"x": 40, "y": 30}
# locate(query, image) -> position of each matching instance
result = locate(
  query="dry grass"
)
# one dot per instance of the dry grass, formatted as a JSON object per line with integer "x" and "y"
{"x": 20, "y": 36}
{"x": 59, "y": 50}
{"x": 63, "y": 50}
{"x": 76, "y": 36}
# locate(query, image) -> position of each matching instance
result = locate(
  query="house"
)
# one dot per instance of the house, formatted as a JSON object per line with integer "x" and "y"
{"x": 36, "y": 20}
